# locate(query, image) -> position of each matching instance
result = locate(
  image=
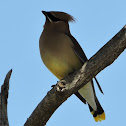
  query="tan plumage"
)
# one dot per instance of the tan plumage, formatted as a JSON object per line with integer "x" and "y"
{"x": 62, "y": 55}
{"x": 62, "y": 15}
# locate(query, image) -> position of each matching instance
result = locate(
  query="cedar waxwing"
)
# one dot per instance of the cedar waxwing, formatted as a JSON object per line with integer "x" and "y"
{"x": 62, "y": 55}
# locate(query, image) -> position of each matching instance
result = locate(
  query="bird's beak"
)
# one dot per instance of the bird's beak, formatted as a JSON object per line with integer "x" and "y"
{"x": 44, "y": 12}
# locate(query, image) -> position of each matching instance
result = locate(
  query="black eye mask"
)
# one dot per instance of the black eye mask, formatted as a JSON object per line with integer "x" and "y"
{"x": 54, "y": 19}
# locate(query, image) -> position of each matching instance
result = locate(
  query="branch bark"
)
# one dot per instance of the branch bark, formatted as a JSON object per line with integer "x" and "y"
{"x": 57, "y": 95}
{"x": 3, "y": 100}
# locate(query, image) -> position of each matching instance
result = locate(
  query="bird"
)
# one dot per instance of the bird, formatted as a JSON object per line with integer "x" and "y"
{"x": 62, "y": 55}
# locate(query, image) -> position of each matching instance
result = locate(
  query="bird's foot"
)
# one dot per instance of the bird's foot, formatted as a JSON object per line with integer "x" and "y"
{"x": 61, "y": 85}
{"x": 53, "y": 85}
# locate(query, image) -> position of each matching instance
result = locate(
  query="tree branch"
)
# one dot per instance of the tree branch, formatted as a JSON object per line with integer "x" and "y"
{"x": 57, "y": 95}
{"x": 3, "y": 100}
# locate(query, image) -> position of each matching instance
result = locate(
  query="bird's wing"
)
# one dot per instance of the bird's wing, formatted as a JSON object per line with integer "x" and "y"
{"x": 80, "y": 97}
{"x": 79, "y": 52}
{"x": 77, "y": 49}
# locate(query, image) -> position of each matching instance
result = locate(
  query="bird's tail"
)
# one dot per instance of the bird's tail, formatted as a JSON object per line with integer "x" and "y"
{"x": 87, "y": 95}
{"x": 99, "y": 114}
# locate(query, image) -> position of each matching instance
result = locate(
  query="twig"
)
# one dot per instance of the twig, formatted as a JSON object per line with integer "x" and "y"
{"x": 3, "y": 100}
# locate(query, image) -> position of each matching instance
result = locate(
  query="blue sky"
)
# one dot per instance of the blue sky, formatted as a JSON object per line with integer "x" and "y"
{"x": 21, "y": 23}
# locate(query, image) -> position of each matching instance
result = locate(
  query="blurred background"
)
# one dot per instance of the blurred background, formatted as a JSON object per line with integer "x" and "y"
{"x": 21, "y": 24}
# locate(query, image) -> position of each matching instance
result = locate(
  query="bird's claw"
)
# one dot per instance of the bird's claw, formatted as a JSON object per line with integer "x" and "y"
{"x": 61, "y": 85}
{"x": 53, "y": 85}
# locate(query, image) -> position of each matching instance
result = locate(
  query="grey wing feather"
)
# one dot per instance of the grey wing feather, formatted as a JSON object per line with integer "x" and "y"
{"x": 80, "y": 97}
{"x": 79, "y": 52}
{"x": 77, "y": 49}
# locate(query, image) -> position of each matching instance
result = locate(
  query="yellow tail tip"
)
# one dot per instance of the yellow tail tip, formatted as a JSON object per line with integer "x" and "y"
{"x": 100, "y": 117}
{"x": 92, "y": 112}
{"x": 96, "y": 118}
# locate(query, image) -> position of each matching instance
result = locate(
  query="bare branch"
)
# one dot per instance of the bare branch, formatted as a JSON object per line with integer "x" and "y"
{"x": 3, "y": 100}
{"x": 56, "y": 96}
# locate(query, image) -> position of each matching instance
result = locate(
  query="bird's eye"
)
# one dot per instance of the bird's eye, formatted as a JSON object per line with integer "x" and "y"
{"x": 52, "y": 18}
